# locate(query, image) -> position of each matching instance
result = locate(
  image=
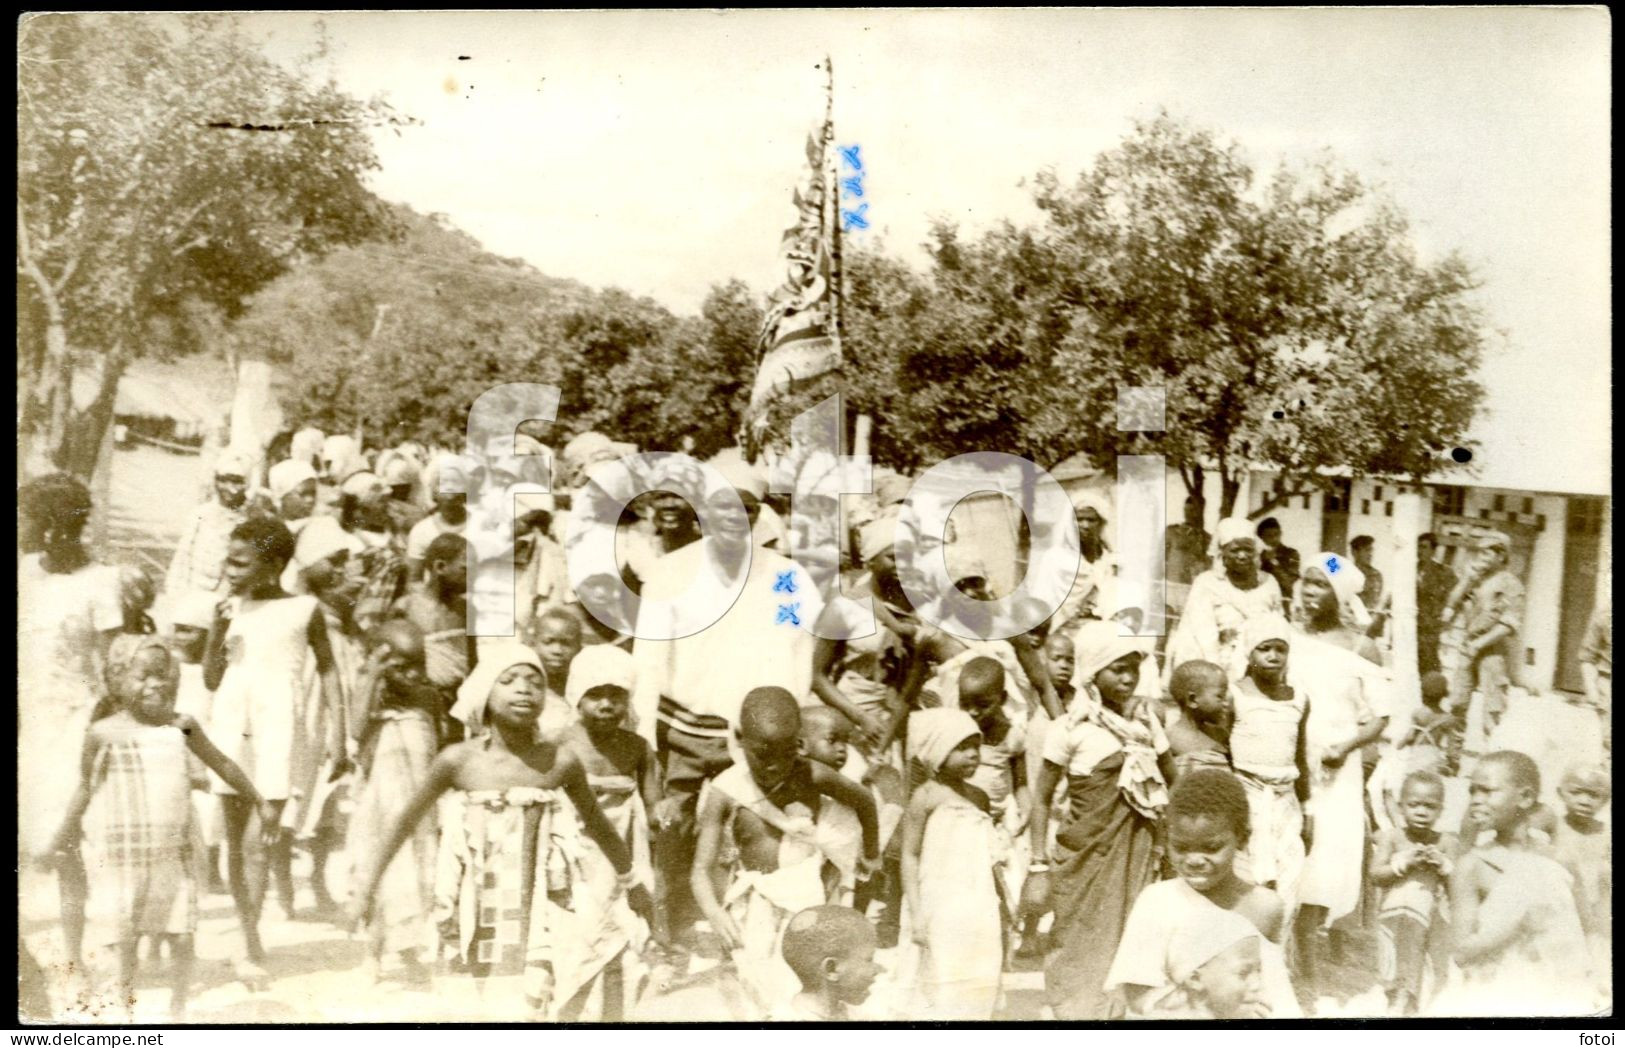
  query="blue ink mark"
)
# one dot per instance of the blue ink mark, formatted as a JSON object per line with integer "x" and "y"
{"x": 851, "y": 220}
{"x": 787, "y": 613}
{"x": 850, "y": 155}
{"x": 786, "y": 582}
{"x": 1333, "y": 565}
{"x": 853, "y": 186}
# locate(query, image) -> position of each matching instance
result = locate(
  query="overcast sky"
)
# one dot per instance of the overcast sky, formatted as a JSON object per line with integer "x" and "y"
{"x": 656, "y": 151}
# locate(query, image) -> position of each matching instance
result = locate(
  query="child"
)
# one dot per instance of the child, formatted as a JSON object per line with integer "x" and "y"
{"x": 1215, "y": 966}
{"x": 1268, "y": 747}
{"x": 832, "y": 951}
{"x": 438, "y": 607}
{"x": 949, "y": 855}
{"x": 135, "y": 760}
{"x": 771, "y": 808}
{"x": 1060, "y": 656}
{"x": 1434, "y": 726}
{"x": 259, "y": 644}
{"x": 625, "y": 781}
{"x": 1199, "y": 728}
{"x": 1518, "y": 938}
{"x": 509, "y": 845}
{"x": 1581, "y": 842}
{"x": 396, "y": 739}
{"x": 826, "y": 738}
{"x": 1412, "y": 864}
{"x": 1208, "y": 825}
{"x": 557, "y": 642}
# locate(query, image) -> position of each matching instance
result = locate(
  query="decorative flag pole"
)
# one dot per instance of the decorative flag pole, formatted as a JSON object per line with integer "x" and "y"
{"x": 801, "y": 337}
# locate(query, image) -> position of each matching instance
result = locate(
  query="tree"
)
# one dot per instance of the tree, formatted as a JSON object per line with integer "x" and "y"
{"x": 1292, "y": 329}
{"x": 167, "y": 170}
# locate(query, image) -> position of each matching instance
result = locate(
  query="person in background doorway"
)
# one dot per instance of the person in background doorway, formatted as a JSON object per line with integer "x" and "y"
{"x": 1361, "y": 549}
{"x": 1434, "y": 583}
{"x": 1277, "y": 558}
{"x": 1597, "y": 666}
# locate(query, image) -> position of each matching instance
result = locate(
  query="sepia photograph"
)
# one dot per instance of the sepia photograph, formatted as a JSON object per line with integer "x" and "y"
{"x": 814, "y": 517}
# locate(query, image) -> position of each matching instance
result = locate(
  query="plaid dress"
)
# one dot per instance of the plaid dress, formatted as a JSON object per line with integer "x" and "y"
{"x": 140, "y": 834}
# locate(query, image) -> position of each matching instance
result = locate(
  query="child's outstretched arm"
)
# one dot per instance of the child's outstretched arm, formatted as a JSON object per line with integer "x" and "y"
{"x": 442, "y": 776}
{"x": 228, "y": 769}
{"x": 712, "y": 809}
{"x": 1032, "y": 664}
{"x": 1464, "y": 900}
{"x": 67, "y": 835}
{"x": 1035, "y": 892}
{"x": 844, "y": 791}
{"x": 870, "y": 728}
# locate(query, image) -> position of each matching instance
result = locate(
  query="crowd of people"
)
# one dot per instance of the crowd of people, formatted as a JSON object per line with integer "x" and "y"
{"x": 884, "y": 827}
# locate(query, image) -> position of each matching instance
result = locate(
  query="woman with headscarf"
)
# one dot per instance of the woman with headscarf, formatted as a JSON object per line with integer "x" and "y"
{"x": 292, "y": 487}
{"x": 1093, "y": 587}
{"x": 364, "y": 513}
{"x": 325, "y": 565}
{"x": 200, "y": 555}
{"x": 1223, "y": 598}
{"x": 68, "y": 611}
{"x": 1111, "y": 751}
{"x": 951, "y": 846}
{"x": 1349, "y": 706}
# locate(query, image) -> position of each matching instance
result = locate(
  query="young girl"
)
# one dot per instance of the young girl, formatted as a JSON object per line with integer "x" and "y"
{"x": 1208, "y": 826}
{"x": 949, "y": 853}
{"x": 397, "y": 738}
{"x": 625, "y": 781}
{"x": 511, "y": 840}
{"x": 259, "y": 645}
{"x": 142, "y": 833}
{"x": 1268, "y": 748}
{"x": 1215, "y": 971}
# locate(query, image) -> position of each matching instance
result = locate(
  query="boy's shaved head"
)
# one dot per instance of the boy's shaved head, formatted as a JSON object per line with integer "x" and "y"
{"x": 1191, "y": 677}
{"x": 769, "y": 713}
{"x": 562, "y": 615}
{"x": 405, "y": 637}
{"x": 981, "y": 676}
{"x": 818, "y": 715}
{"x": 822, "y": 932}
{"x": 1522, "y": 767}
{"x": 1594, "y": 776}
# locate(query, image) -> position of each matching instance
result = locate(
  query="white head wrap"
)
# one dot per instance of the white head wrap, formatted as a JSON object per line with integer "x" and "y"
{"x": 194, "y": 608}
{"x": 284, "y": 477}
{"x": 306, "y": 445}
{"x": 933, "y": 734}
{"x": 1346, "y": 581}
{"x": 598, "y": 665}
{"x": 1256, "y": 631}
{"x": 320, "y": 538}
{"x": 233, "y": 462}
{"x": 1203, "y": 937}
{"x": 1088, "y": 498}
{"x": 475, "y": 691}
{"x": 341, "y": 456}
{"x": 1099, "y": 644}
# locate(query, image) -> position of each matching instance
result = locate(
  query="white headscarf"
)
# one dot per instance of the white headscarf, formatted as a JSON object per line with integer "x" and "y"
{"x": 1346, "y": 581}
{"x": 320, "y": 538}
{"x": 933, "y": 734}
{"x": 475, "y": 691}
{"x": 284, "y": 477}
{"x": 1099, "y": 644}
{"x": 1256, "y": 631}
{"x": 233, "y": 462}
{"x": 739, "y": 473}
{"x": 598, "y": 665}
